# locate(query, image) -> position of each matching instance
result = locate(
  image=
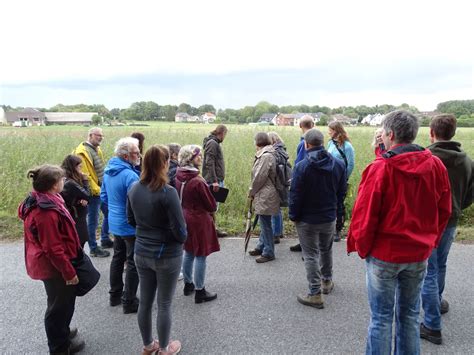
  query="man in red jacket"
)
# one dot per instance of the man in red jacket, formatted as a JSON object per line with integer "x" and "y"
{"x": 402, "y": 208}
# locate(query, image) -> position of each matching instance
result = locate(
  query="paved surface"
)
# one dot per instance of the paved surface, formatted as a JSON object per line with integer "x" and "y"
{"x": 256, "y": 311}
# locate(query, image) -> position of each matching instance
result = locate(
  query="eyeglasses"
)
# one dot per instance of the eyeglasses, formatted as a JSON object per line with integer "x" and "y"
{"x": 98, "y": 135}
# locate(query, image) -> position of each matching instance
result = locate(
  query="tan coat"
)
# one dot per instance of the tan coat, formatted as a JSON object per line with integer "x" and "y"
{"x": 266, "y": 200}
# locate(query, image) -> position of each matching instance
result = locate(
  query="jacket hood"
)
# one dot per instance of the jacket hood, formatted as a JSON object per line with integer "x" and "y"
{"x": 116, "y": 165}
{"x": 266, "y": 149}
{"x": 186, "y": 173}
{"x": 32, "y": 201}
{"x": 209, "y": 138}
{"x": 449, "y": 152}
{"x": 412, "y": 163}
{"x": 320, "y": 159}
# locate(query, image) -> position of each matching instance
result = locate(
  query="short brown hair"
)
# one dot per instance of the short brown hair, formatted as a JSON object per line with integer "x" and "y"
{"x": 307, "y": 121}
{"x": 154, "y": 172}
{"x": 444, "y": 126}
{"x": 219, "y": 129}
{"x": 45, "y": 177}
{"x": 262, "y": 139}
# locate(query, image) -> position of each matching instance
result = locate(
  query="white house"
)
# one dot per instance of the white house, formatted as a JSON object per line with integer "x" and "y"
{"x": 208, "y": 117}
{"x": 373, "y": 120}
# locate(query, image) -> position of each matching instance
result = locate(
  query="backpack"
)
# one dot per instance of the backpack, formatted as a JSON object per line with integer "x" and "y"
{"x": 283, "y": 176}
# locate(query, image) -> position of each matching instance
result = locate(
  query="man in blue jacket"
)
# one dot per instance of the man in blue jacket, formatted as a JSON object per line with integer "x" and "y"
{"x": 119, "y": 176}
{"x": 316, "y": 196}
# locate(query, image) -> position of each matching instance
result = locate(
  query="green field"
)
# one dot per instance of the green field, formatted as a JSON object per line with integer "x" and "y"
{"x": 23, "y": 148}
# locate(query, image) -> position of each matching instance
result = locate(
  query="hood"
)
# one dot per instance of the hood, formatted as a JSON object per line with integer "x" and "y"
{"x": 320, "y": 159}
{"x": 32, "y": 201}
{"x": 116, "y": 165}
{"x": 412, "y": 163}
{"x": 266, "y": 149}
{"x": 209, "y": 138}
{"x": 186, "y": 173}
{"x": 449, "y": 152}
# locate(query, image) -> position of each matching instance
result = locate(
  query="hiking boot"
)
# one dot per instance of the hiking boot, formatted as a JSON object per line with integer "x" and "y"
{"x": 131, "y": 307}
{"x": 107, "y": 244}
{"x": 337, "y": 236}
{"x": 264, "y": 259}
{"x": 76, "y": 345}
{"x": 174, "y": 347}
{"x": 99, "y": 252}
{"x": 72, "y": 333}
{"x": 276, "y": 240}
{"x": 327, "y": 286}
{"x": 315, "y": 301}
{"x": 151, "y": 349}
{"x": 444, "y": 306}
{"x": 221, "y": 234}
{"x": 433, "y": 336}
{"x": 296, "y": 247}
{"x": 204, "y": 296}
{"x": 115, "y": 301}
{"x": 255, "y": 252}
{"x": 188, "y": 288}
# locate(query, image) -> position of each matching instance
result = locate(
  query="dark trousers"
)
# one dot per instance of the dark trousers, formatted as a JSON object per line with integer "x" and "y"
{"x": 61, "y": 302}
{"x": 124, "y": 249}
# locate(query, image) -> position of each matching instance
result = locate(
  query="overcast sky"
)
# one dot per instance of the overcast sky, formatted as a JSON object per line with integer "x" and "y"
{"x": 236, "y": 53}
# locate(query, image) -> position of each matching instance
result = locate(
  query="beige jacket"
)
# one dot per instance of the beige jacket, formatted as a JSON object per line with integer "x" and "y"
{"x": 266, "y": 200}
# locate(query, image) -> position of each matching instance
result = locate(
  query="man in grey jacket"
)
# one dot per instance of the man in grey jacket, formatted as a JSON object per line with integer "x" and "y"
{"x": 213, "y": 167}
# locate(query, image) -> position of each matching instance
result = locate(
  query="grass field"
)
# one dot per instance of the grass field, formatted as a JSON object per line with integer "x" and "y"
{"x": 23, "y": 148}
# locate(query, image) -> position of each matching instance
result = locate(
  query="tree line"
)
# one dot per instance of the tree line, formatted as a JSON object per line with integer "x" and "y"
{"x": 151, "y": 111}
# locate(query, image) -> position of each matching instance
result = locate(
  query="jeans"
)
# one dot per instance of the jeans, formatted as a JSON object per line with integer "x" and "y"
{"x": 316, "y": 240}
{"x": 390, "y": 286}
{"x": 433, "y": 285}
{"x": 265, "y": 241}
{"x": 93, "y": 220}
{"x": 61, "y": 303}
{"x": 124, "y": 249}
{"x": 156, "y": 275}
{"x": 277, "y": 224}
{"x": 199, "y": 263}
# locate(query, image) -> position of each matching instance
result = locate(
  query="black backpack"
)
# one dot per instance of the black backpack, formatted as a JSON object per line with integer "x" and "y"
{"x": 283, "y": 176}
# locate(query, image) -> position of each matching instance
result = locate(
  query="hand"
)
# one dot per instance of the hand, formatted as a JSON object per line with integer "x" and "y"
{"x": 215, "y": 187}
{"x": 73, "y": 281}
{"x": 83, "y": 203}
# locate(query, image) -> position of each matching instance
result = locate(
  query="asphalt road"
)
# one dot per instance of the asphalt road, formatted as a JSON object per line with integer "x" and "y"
{"x": 256, "y": 311}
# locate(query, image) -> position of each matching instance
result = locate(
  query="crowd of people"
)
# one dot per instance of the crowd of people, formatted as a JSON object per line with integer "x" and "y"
{"x": 161, "y": 211}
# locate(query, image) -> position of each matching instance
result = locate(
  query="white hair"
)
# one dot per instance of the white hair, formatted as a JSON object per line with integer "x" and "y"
{"x": 187, "y": 153}
{"x": 122, "y": 147}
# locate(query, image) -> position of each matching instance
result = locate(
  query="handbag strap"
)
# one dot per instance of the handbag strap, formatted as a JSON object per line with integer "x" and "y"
{"x": 343, "y": 155}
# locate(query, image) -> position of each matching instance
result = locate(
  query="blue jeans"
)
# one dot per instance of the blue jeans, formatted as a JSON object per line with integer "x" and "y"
{"x": 93, "y": 220}
{"x": 199, "y": 264}
{"x": 433, "y": 285}
{"x": 390, "y": 286}
{"x": 265, "y": 241}
{"x": 277, "y": 224}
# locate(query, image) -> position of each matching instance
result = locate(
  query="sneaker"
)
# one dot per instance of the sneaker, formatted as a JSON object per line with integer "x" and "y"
{"x": 264, "y": 259}
{"x": 76, "y": 345}
{"x": 276, "y": 240}
{"x": 181, "y": 276}
{"x": 221, "y": 234}
{"x": 315, "y": 301}
{"x": 255, "y": 252}
{"x": 296, "y": 247}
{"x": 107, "y": 244}
{"x": 188, "y": 288}
{"x": 337, "y": 236}
{"x": 72, "y": 333}
{"x": 327, "y": 286}
{"x": 444, "y": 306}
{"x": 99, "y": 252}
{"x": 433, "y": 336}
{"x": 204, "y": 296}
{"x": 131, "y": 307}
{"x": 174, "y": 347}
{"x": 151, "y": 349}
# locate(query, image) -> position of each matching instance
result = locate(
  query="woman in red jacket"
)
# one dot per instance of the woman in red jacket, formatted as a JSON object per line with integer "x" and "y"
{"x": 51, "y": 241}
{"x": 198, "y": 207}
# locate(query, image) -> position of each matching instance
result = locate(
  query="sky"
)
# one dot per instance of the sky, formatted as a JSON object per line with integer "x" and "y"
{"x": 236, "y": 53}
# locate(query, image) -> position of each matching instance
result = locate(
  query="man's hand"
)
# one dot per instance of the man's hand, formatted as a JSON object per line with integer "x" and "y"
{"x": 83, "y": 203}
{"x": 215, "y": 186}
{"x": 73, "y": 281}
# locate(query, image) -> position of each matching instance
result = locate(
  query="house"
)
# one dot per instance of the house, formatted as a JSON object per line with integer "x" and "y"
{"x": 3, "y": 118}
{"x": 71, "y": 118}
{"x": 341, "y": 118}
{"x": 208, "y": 117}
{"x": 181, "y": 117}
{"x": 316, "y": 117}
{"x": 26, "y": 117}
{"x": 285, "y": 119}
{"x": 373, "y": 120}
{"x": 269, "y": 118}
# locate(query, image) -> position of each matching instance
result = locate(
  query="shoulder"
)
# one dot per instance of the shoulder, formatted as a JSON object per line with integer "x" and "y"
{"x": 348, "y": 145}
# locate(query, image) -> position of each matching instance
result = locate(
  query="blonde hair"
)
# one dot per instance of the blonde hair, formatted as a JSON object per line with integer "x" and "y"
{"x": 374, "y": 141}
{"x": 187, "y": 153}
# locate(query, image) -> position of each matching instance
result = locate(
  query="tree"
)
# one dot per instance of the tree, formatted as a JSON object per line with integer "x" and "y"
{"x": 184, "y": 107}
{"x": 96, "y": 120}
{"x": 206, "y": 108}
{"x": 456, "y": 107}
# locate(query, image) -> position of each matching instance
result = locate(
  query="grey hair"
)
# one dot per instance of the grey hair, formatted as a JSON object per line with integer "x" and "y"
{"x": 185, "y": 156}
{"x": 403, "y": 124}
{"x": 94, "y": 129}
{"x": 275, "y": 137}
{"x": 122, "y": 147}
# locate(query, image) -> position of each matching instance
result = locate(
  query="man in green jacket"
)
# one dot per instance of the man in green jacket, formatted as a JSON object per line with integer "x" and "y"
{"x": 460, "y": 170}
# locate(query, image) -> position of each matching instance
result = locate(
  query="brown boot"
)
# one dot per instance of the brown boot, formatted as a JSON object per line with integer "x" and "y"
{"x": 315, "y": 301}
